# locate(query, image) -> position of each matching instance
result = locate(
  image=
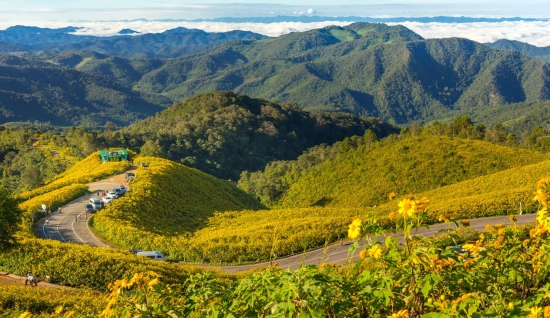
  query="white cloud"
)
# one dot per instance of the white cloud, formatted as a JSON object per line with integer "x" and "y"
{"x": 536, "y": 33}
{"x": 532, "y": 32}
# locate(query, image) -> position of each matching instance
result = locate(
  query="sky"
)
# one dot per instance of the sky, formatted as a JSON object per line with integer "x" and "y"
{"x": 91, "y": 16}
{"x": 15, "y": 10}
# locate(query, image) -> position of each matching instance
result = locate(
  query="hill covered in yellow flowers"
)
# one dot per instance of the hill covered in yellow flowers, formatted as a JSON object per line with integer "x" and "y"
{"x": 363, "y": 174}
{"x": 167, "y": 199}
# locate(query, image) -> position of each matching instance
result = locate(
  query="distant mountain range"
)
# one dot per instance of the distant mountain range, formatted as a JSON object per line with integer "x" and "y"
{"x": 37, "y": 91}
{"x": 542, "y": 53}
{"x": 128, "y": 43}
{"x": 366, "y": 69}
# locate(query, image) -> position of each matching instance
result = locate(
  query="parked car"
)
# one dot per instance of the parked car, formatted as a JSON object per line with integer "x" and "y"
{"x": 107, "y": 199}
{"x": 96, "y": 203}
{"x": 118, "y": 192}
{"x": 89, "y": 208}
{"x": 129, "y": 176}
{"x": 123, "y": 189}
{"x": 112, "y": 194}
{"x": 154, "y": 255}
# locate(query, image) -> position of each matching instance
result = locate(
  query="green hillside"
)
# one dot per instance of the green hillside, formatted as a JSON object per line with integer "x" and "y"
{"x": 364, "y": 175}
{"x": 33, "y": 90}
{"x": 167, "y": 199}
{"x": 223, "y": 133}
{"x": 542, "y": 53}
{"x": 363, "y": 68}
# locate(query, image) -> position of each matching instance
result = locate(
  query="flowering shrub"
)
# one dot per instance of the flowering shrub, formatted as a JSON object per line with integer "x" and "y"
{"x": 502, "y": 272}
{"x": 19, "y": 300}
{"x": 84, "y": 171}
{"x": 53, "y": 200}
{"x": 83, "y": 266}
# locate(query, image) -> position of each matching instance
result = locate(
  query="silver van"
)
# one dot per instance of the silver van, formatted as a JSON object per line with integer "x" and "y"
{"x": 154, "y": 255}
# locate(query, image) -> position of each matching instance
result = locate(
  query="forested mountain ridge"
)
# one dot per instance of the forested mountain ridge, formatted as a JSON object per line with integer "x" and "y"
{"x": 366, "y": 69}
{"x": 171, "y": 43}
{"x": 36, "y": 91}
{"x": 542, "y": 53}
{"x": 223, "y": 133}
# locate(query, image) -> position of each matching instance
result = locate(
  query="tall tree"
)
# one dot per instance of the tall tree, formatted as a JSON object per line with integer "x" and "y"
{"x": 10, "y": 217}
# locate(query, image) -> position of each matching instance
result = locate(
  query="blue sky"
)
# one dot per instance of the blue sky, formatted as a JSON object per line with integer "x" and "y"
{"x": 15, "y": 10}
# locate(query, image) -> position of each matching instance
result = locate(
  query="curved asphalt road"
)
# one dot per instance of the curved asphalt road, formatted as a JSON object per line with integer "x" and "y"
{"x": 64, "y": 227}
{"x": 71, "y": 224}
{"x": 336, "y": 254}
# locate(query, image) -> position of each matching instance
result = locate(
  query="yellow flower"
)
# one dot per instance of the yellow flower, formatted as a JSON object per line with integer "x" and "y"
{"x": 535, "y": 312}
{"x": 153, "y": 282}
{"x": 392, "y": 216}
{"x": 391, "y": 196}
{"x": 362, "y": 254}
{"x": 547, "y": 312}
{"x": 26, "y": 314}
{"x": 407, "y": 207}
{"x": 540, "y": 196}
{"x": 375, "y": 251}
{"x": 400, "y": 314}
{"x": 354, "y": 228}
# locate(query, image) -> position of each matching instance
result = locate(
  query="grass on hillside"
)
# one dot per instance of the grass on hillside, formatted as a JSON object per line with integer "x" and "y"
{"x": 363, "y": 176}
{"x": 15, "y": 300}
{"x": 167, "y": 199}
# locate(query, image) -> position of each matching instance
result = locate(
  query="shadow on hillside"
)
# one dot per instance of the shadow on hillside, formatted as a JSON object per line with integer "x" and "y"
{"x": 322, "y": 202}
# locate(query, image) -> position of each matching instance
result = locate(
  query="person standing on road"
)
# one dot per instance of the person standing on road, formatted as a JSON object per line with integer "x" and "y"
{"x": 59, "y": 210}
{"x": 75, "y": 218}
{"x": 30, "y": 279}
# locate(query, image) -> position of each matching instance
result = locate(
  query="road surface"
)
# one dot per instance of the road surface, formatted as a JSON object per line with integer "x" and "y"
{"x": 71, "y": 224}
{"x": 336, "y": 254}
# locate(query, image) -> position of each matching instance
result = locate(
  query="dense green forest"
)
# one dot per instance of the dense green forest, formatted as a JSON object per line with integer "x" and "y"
{"x": 542, "y": 53}
{"x": 366, "y": 69}
{"x": 352, "y": 160}
{"x": 223, "y": 133}
{"x": 33, "y": 90}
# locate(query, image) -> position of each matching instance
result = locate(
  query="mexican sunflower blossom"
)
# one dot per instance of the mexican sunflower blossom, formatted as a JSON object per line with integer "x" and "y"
{"x": 541, "y": 197}
{"x": 362, "y": 254}
{"x": 400, "y": 314}
{"x": 546, "y": 312}
{"x": 407, "y": 207}
{"x": 391, "y": 196}
{"x": 354, "y": 228}
{"x": 375, "y": 251}
{"x": 535, "y": 312}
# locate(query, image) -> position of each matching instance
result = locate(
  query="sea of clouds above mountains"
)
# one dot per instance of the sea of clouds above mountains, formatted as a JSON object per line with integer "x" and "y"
{"x": 532, "y": 32}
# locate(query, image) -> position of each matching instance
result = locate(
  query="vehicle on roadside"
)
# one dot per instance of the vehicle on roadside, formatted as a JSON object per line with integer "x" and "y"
{"x": 123, "y": 189}
{"x": 118, "y": 192}
{"x": 96, "y": 203}
{"x": 89, "y": 208}
{"x": 154, "y": 255}
{"x": 112, "y": 194}
{"x": 129, "y": 176}
{"x": 107, "y": 199}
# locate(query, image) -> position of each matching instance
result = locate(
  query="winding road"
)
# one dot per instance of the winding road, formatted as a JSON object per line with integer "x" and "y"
{"x": 71, "y": 226}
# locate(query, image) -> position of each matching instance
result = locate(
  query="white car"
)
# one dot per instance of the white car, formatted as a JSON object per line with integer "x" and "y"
{"x": 154, "y": 255}
{"x": 107, "y": 199}
{"x": 112, "y": 194}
